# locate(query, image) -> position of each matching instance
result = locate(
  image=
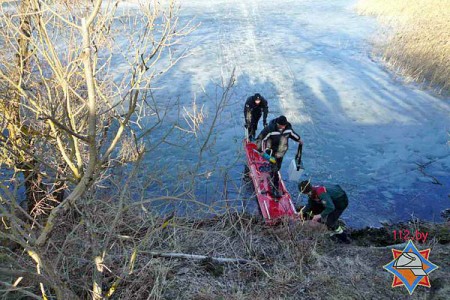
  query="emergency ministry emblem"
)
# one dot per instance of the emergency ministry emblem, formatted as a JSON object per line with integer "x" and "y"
{"x": 410, "y": 267}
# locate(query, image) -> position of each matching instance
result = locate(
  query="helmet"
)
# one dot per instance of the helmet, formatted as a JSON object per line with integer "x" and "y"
{"x": 410, "y": 260}
{"x": 257, "y": 96}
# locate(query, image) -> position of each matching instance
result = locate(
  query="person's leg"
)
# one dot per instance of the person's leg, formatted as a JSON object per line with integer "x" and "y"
{"x": 337, "y": 231}
{"x": 276, "y": 171}
{"x": 279, "y": 162}
{"x": 275, "y": 177}
{"x": 252, "y": 131}
{"x": 332, "y": 219}
{"x": 274, "y": 180}
{"x": 332, "y": 223}
{"x": 253, "y": 127}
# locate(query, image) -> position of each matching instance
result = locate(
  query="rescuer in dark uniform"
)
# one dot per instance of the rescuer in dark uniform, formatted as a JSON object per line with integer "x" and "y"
{"x": 255, "y": 107}
{"x": 326, "y": 204}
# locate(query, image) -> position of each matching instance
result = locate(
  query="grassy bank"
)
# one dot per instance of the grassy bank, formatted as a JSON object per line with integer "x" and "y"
{"x": 416, "y": 41}
{"x": 288, "y": 261}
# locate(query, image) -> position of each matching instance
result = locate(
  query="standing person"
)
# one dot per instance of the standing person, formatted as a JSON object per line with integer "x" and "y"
{"x": 273, "y": 139}
{"x": 329, "y": 202}
{"x": 255, "y": 106}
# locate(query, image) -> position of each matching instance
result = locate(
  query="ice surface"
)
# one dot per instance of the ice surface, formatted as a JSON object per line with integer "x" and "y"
{"x": 362, "y": 127}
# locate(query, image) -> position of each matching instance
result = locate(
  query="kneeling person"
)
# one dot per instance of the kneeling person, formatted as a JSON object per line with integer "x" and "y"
{"x": 331, "y": 200}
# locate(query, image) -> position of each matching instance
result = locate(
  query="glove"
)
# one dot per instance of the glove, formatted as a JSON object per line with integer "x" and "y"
{"x": 300, "y": 142}
{"x": 265, "y": 123}
{"x": 267, "y": 155}
{"x": 246, "y": 125}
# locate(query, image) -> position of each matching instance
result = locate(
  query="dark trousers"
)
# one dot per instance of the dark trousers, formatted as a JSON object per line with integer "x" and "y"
{"x": 253, "y": 126}
{"x": 274, "y": 172}
{"x": 332, "y": 219}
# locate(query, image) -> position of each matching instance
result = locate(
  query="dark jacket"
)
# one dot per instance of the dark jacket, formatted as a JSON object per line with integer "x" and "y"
{"x": 253, "y": 112}
{"x": 271, "y": 138}
{"x": 332, "y": 197}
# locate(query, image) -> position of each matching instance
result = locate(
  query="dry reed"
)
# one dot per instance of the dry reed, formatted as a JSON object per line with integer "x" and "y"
{"x": 418, "y": 38}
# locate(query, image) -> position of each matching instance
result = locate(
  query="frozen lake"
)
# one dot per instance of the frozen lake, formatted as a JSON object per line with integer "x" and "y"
{"x": 383, "y": 140}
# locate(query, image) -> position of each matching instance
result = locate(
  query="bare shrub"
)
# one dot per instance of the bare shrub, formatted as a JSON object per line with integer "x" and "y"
{"x": 75, "y": 80}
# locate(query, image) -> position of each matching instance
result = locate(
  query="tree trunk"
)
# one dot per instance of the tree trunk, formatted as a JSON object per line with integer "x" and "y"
{"x": 19, "y": 132}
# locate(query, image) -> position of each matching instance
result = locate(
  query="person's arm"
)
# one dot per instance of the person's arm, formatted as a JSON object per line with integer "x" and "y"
{"x": 327, "y": 202}
{"x": 298, "y": 156}
{"x": 247, "y": 112}
{"x": 265, "y": 112}
{"x": 308, "y": 206}
{"x": 293, "y": 135}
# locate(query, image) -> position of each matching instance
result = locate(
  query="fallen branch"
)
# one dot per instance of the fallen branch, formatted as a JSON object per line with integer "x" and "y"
{"x": 402, "y": 245}
{"x": 199, "y": 257}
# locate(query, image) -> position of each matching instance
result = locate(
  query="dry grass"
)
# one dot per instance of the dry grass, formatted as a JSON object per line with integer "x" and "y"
{"x": 418, "y": 43}
{"x": 291, "y": 260}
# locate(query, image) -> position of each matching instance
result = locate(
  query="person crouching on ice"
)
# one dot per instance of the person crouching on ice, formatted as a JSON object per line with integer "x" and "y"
{"x": 255, "y": 106}
{"x": 330, "y": 201}
{"x": 273, "y": 139}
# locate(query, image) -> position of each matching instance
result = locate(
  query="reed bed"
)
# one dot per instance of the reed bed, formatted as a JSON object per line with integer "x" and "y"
{"x": 415, "y": 41}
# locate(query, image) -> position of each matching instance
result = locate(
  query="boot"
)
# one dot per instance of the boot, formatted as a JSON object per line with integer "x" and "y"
{"x": 337, "y": 230}
{"x": 275, "y": 192}
{"x": 340, "y": 236}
